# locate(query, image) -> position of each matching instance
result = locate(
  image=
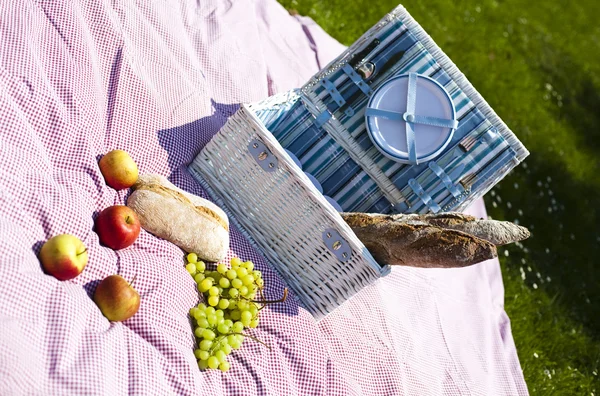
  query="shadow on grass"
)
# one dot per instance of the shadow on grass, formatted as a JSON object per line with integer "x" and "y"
{"x": 580, "y": 106}
{"x": 562, "y": 214}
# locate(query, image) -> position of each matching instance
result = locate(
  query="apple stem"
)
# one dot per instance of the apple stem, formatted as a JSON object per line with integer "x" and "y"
{"x": 85, "y": 250}
{"x": 252, "y": 338}
{"x": 133, "y": 280}
{"x": 263, "y": 301}
{"x": 127, "y": 219}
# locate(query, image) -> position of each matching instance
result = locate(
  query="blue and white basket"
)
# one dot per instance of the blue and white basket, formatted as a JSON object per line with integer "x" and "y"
{"x": 283, "y": 167}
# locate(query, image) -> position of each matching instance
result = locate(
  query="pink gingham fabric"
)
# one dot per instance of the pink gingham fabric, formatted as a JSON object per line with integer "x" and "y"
{"x": 158, "y": 79}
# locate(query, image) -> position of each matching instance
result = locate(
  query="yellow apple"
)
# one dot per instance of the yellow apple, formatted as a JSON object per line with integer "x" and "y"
{"x": 119, "y": 169}
{"x": 116, "y": 298}
{"x": 64, "y": 256}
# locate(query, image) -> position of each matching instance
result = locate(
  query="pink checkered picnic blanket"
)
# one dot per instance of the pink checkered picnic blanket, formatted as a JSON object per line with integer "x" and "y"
{"x": 158, "y": 79}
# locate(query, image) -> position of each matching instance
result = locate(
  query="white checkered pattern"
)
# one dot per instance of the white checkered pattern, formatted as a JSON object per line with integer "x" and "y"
{"x": 158, "y": 79}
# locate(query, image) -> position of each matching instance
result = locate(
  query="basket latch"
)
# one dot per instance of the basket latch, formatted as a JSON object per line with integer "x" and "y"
{"x": 262, "y": 155}
{"x": 337, "y": 245}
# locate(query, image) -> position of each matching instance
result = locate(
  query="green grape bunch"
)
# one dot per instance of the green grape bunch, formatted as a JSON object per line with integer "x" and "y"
{"x": 231, "y": 307}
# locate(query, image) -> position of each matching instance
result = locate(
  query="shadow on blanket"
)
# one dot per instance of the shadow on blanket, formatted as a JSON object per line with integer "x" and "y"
{"x": 184, "y": 142}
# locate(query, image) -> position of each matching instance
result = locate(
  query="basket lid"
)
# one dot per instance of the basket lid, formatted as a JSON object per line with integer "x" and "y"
{"x": 410, "y": 118}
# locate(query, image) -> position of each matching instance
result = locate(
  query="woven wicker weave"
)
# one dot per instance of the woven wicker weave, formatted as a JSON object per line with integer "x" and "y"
{"x": 283, "y": 214}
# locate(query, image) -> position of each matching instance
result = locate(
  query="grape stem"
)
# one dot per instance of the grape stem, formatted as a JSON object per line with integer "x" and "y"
{"x": 215, "y": 343}
{"x": 252, "y": 338}
{"x": 260, "y": 290}
{"x": 282, "y": 299}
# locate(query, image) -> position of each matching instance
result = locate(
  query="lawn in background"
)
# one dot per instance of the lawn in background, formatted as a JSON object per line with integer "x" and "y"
{"x": 537, "y": 64}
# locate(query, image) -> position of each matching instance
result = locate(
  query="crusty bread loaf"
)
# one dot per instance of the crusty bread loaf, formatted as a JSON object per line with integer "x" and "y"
{"x": 190, "y": 222}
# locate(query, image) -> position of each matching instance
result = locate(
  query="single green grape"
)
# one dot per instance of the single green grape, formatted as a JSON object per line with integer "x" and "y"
{"x": 198, "y": 332}
{"x": 235, "y": 262}
{"x": 198, "y": 353}
{"x": 210, "y": 310}
{"x": 213, "y": 291}
{"x": 231, "y": 339}
{"x": 220, "y": 320}
{"x": 235, "y": 344}
{"x": 232, "y": 304}
{"x": 203, "y": 364}
{"x": 248, "y": 280}
{"x": 233, "y": 293}
{"x": 236, "y": 314}
{"x": 231, "y": 274}
{"x": 254, "y": 323}
{"x": 246, "y": 317}
{"x": 238, "y": 327}
{"x": 222, "y": 268}
{"x": 243, "y": 290}
{"x": 224, "y": 366}
{"x": 260, "y": 282}
{"x": 224, "y": 283}
{"x": 213, "y": 300}
{"x": 242, "y": 304}
{"x": 194, "y": 312}
{"x": 192, "y": 258}
{"x": 253, "y": 309}
{"x": 202, "y": 322}
{"x": 200, "y": 266}
{"x": 257, "y": 274}
{"x": 199, "y": 278}
{"x": 211, "y": 319}
{"x": 227, "y": 349}
{"x": 228, "y": 322}
{"x": 241, "y": 272}
{"x": 201, "y": 307}
{"x": 208, "y": 334}
{"x": 206, "y": 284}
{"x": 204, "y": 355}
{"x": 224, "y": 303}
{"x": 249, "y": 265}
{"x": 223, "y": 328}
{"x": 246, "y": 314}
{"x": 213, "y": 362}
{"x": 191, "y": 268}
{"x": 205, "y": 345}
{"x": 221, "y": 356}
{"x": 220, "y": 313}
{"x": 237, "y": 283}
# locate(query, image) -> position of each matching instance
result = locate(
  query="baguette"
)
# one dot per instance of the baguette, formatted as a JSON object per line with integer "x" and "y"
{"x": 190, "y": 222}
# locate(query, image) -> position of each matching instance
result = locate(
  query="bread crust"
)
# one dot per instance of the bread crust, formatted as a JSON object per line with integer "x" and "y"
{"x": 190, "y": 222}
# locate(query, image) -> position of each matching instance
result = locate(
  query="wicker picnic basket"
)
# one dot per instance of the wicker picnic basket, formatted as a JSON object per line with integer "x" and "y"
{"x": 283, "y": 168}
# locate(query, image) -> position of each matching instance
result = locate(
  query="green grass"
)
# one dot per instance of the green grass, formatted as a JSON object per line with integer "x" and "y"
{"x": 538, "y": 65}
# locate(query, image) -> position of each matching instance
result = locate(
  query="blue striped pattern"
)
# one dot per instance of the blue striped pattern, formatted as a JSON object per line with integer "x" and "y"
{"x": 343, "y": 178}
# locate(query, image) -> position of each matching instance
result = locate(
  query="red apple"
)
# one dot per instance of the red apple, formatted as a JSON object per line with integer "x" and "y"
{"x": 64, "y": 256}
{"x": 116, "y": 298}
{"x": 117, "y": 227}
{"x": 119, "y": 169}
